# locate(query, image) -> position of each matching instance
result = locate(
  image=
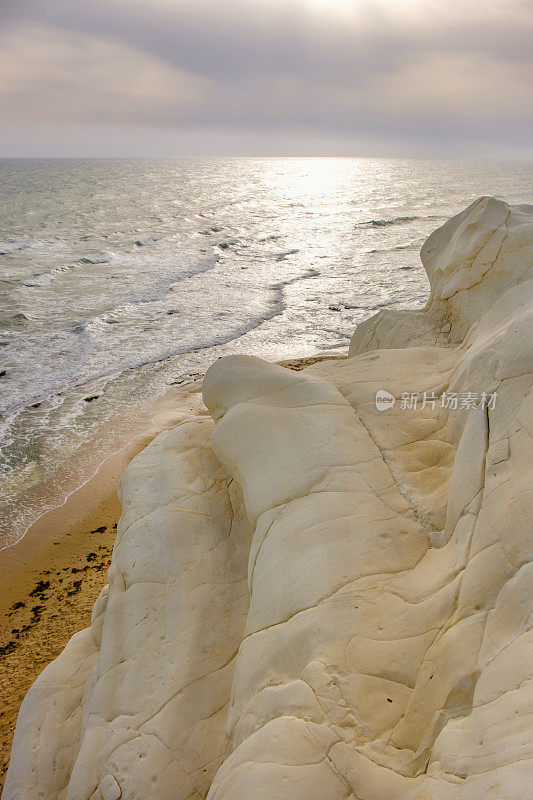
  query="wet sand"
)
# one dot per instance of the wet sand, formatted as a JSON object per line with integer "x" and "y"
{"x": 50, "y": 580}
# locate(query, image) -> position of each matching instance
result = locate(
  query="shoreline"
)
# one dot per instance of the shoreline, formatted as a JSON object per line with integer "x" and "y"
{"x": 51, "y": 577}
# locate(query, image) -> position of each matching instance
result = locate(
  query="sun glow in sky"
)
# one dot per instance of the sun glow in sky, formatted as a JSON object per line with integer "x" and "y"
{"x": 266, "y": 77}
{"x": 333, "y": 6}
{"x": 349, "y": 7}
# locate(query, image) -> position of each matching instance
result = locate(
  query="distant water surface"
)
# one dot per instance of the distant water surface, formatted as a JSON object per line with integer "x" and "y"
{"x": 121, "y": 277}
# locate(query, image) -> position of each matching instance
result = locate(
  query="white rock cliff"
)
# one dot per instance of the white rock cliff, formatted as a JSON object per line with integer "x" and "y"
{"x": 313, "y": 599}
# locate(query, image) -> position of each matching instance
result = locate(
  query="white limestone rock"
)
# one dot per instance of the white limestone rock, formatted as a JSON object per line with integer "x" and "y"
{"x": 470, "y": 261}
{"x": 145, "y": 713}
{"x": 317, "y": 599}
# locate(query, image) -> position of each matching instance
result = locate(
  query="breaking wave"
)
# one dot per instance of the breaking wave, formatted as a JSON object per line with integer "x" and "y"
{"x": 383, "y": 223}
{"x": 11, "y": 247}
{"x": 97, "y": 258}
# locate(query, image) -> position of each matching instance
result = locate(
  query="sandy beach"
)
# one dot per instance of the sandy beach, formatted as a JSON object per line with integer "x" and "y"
{"x": 50, "y": 580}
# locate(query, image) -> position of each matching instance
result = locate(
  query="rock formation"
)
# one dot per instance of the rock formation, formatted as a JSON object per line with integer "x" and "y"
{"x": 311, "y": 598}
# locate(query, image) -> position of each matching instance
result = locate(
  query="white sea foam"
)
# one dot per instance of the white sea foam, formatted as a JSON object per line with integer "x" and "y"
{"x": 40, "y": 280}
{"x": 96, "y": 258}
{"x": 286, "y": 253}
{"x": 12, "y": 247}
{"x": 147, "y": 240}
{"x": 278, "y": 256}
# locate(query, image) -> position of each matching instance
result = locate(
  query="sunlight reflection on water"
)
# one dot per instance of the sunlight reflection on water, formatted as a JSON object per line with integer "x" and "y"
{"x": 121, "y": 276}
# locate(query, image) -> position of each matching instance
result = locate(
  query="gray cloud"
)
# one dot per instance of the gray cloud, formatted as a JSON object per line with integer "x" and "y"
{"x": 442, "y": 75}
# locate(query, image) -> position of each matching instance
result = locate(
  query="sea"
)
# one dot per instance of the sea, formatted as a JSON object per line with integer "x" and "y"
{"x": 120, "y": 278}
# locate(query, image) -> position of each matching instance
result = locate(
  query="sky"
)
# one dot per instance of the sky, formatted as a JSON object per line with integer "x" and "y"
{"x": 398, "y": 78}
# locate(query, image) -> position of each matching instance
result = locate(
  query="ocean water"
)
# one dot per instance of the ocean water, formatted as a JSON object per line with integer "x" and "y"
{"x": 120, "y": 278}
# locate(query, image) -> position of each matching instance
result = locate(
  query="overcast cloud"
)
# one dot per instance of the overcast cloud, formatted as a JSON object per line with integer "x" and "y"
{"x": 261, "y": 77}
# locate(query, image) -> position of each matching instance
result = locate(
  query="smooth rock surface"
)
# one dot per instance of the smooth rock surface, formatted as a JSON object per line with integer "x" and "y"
{"x": 314, "y": 599}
